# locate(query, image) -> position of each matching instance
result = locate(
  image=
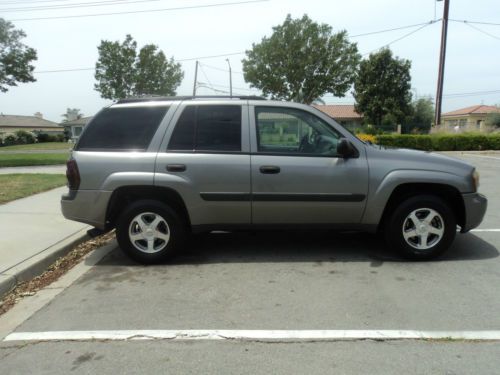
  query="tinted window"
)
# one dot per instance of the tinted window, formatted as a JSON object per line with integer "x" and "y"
{"x": 183, "y": 135}
{"x": 122, "y": 129}
{"x": 208, "y": 128}
{"x": 292, "y": 131}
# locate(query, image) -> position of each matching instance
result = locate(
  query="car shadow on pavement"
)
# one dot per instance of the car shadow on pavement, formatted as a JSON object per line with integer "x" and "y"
{"x": 282, "y": 246}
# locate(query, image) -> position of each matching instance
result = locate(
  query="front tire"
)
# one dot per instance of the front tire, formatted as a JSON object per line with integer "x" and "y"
{"x": 421, "y": 227}
{"x": 150, "y": 231}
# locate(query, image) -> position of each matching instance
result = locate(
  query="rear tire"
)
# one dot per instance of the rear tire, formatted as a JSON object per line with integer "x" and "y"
{"x": 421, "y": 227}
{"x": 150, "y": 232}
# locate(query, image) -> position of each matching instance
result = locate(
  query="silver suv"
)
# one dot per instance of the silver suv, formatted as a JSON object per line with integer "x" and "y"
{"x": 158, "y": 169}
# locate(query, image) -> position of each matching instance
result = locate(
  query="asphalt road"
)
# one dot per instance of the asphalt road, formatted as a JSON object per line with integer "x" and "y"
{"x": 280, "y": 281}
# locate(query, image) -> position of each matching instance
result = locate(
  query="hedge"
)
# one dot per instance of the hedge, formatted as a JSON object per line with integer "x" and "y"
{"x": 445, "y": 142}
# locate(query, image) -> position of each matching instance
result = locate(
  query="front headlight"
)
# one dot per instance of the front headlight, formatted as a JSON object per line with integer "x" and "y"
{"x": 475, "y": 179}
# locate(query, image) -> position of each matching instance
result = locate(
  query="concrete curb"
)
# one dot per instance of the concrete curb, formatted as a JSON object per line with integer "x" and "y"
{"x": 37, "y": 264}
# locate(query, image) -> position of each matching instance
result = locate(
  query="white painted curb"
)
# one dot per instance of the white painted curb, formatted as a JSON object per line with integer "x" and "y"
{"x": 254, "y": 335}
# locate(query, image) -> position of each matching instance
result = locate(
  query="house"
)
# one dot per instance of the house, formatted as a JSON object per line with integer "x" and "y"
{"x": 75, "y": 127}
{"x": 344, "y": 114}
{"x": 35, "y": 124}
{"x": 467, "y": 119}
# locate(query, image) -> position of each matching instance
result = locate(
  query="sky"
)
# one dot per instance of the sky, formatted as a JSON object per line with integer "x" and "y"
{"x": 472, "y": 73}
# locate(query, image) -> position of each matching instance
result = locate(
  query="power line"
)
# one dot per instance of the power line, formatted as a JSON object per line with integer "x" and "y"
{"x": 393, "y": 29}
{"x": 74, "y": 5}
{"x": 476, "y": 22}
{"x": 35, "y": 1}
{"x": 237, "y": 88}
{"x": 221, "y": 69}
{"x": 206, "y": 77}
{"x": 140, "y": 11}
{"x": 472, "y": 93}
{"x": 480, "y": 30}
{"x": 402, "y": 37}
{"x": 356, "y": 36}
{"x": 177, "y": 60}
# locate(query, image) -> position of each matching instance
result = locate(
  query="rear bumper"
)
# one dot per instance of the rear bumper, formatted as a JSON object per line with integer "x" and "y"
{"x": 86, "y": 206}
{"x": 475, "y": 208}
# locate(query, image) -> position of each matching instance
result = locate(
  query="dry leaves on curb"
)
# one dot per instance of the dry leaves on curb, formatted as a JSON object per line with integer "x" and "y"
{"x": 54, "y": 272}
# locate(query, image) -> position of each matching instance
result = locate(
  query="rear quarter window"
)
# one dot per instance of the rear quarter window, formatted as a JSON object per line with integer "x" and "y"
{"x": 122, "y": 129}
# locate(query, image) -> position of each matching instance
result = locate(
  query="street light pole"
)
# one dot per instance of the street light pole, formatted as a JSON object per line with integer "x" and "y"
{"x": 230, "y": 79}
{"x": 442, "y": 57}
{"x": 195, "y": 78}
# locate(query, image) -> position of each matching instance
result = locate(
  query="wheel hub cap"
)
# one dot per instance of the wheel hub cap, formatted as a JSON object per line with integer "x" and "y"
{"x": 423, "y": 228}
{"x": 149, "y": 232}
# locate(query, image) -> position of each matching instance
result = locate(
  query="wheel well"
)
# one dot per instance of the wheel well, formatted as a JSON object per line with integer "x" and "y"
{"x": 125, "y": 195}
{"x": 446, "y": 192}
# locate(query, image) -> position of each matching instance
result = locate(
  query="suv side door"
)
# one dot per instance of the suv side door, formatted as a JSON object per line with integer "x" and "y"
{"x": 205, "y": 158}
{"x": 297, "y": 176}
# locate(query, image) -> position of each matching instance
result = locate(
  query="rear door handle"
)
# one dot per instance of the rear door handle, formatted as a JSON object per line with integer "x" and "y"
{"x": 269, "y": 169}
{"x": 176, "y": 167}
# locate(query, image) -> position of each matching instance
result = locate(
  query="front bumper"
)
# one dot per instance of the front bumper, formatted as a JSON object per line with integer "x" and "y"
{"x": 475, "y": 208}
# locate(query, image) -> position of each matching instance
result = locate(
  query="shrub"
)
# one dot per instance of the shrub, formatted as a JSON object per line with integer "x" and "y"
{"x": 60, "y": 138}
{"x": 24, "y": 137}
{"x": 9, "y": 140}
{"x": 442, "y": 142}
{"x": 494, "y": 141}
{"x": 44, "y": 137}
{"x": 366, "y": 137}
{"x": 423, "y": 142}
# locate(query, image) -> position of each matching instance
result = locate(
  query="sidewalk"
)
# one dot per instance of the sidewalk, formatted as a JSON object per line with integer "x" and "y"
{"x": 34, "y": 233}
{"x": 59, "y": 169}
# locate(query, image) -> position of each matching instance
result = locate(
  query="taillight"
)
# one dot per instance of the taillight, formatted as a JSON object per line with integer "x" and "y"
{"x": 72, "y": 174}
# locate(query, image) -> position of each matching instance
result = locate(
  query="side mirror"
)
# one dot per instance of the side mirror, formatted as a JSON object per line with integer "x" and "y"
{"x": 345, "y": 149}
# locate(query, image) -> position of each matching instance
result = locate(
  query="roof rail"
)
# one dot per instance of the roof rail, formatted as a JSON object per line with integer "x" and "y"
{"x": 172, "y": 98}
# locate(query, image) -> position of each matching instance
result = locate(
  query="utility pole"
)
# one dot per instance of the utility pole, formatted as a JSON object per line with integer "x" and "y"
{"x": 230, "y": 79}
{"x": 442, "y": 57}
{"x": 195, "y": 78}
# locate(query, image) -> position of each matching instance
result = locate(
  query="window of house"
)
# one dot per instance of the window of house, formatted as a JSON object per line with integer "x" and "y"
{"x": 77, "y": 130}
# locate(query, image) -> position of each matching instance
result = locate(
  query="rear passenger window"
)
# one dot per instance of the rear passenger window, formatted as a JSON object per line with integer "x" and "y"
{"x": 122, "y": 128}
{"x": 208, "y": 128}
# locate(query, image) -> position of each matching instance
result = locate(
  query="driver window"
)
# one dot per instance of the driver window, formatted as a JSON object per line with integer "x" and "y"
{"x": 293, "y": 131}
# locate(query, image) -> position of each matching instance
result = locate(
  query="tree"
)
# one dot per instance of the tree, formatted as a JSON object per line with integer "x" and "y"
{"x": 15, "y": 57}
{"x": 301, "y": 61}
{"x": 72, "y": 114}
{"x": 422, "y": 115}
{"x": 383, "y": 87}
{"x": 122, "y": 72}
{"x": 493, "y": 119}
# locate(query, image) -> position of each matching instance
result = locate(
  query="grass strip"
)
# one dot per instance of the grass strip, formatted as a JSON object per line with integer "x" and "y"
{"x": 39, "y": 146}
{"x": 22, "y": 160}
{"x": 15, "y": 186}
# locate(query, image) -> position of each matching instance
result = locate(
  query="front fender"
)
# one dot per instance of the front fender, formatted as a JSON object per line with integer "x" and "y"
{"x": 379, "y": 195}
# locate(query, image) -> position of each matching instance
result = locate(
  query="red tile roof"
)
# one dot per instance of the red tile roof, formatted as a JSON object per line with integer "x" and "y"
{"x": 475, "y": 109}
{"x": 339, "y": 111}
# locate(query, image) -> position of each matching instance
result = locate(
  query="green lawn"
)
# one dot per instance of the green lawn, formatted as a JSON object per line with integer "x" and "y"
{"x": 39, "y": 146}
{"x": 15, "y": 186}
{"x": 19, "y": 160}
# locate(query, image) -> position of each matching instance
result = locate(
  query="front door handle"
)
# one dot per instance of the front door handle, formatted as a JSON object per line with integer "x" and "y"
{"x": 269, "y": 169}
{"x": 176, "y": 167}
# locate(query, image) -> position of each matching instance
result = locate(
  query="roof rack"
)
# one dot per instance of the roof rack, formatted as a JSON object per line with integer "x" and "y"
{"x": 172, "y": 98}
